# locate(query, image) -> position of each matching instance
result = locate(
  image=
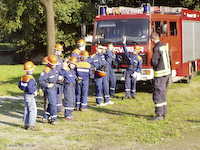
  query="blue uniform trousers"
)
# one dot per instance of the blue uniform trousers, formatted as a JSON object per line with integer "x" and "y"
{"x": 159, "y": 95}
{"x": 30, "y": 110}
{"x": 51, "y": 110}
{"x": 130, "y": 84}
{"x": 82, "y": 93}
{"x": 69, "y": 99}
{"x": 102, "y": 85}
{"x": 111, "y": 79}
{"x": 59, "y": 97}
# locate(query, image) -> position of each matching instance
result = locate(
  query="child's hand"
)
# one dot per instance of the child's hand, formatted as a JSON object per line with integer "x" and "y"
{"x": 79, "y": 79}
{"x": 41, "y": 92}
{"x": 35, "y": 93}
{"x": 65, "y": 64}
{"x": 50, "y": 85}
{"x": 124, "y": 39}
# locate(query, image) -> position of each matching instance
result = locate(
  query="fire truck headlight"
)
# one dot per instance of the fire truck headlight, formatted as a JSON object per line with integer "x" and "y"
{"x": 145, "y": 72}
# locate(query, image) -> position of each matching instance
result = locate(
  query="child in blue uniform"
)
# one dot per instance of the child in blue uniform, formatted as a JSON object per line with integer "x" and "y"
{"x": 100, "y": 78}
{"x": 81, "y": 47}
{"x": 41, "y": 90}
{"x": 47, "y": 80}
{"x": 83, "y": 70}
{"x": 133, "y": 68}
{"x": 111, "y": 60}
{"x": 29, "y": 86}
{"x": 58, "y": 48}
{"x": 69, "y": 88}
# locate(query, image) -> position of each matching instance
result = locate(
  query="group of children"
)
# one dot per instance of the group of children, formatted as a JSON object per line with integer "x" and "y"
{"x": 70, "y": 77}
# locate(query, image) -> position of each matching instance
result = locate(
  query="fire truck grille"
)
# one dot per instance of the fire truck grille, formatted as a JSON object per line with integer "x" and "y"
{"x": 144, "y": 57}
{"x": 123, "y": 58}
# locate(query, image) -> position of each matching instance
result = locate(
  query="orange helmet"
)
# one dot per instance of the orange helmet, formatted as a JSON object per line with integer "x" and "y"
{"x": 101, "y": 73}
{"x": 28, "y": 66}
{"x": 44, "y": 61}
{"x": 81, "y": 42}
{"x": 73, "y": 60}
{"x": 58, "y": 47}
{"x": 84, "y": 54}
{"x": 52, "y": 60}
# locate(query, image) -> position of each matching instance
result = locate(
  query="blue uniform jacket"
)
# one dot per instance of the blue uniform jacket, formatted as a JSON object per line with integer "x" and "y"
{"x": 69, "y": 75}
{"x": 76, "y": 53}
{"x": 98, "y": 60}
{"x": 110, "y": 56}
{"x": 133, "y": 60}
{"x": 48, "y": 75}
{"x": 58, "y": 67}
{"x": 84, "y": 70}
{"x": 28, "y": 84}
{"x": 60, "y": 61}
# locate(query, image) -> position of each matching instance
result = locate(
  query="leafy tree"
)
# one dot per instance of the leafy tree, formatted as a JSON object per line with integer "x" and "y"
{"x": 50, "y": 25}
{"x": 25, "y": 23}
{"x": 191, "y": 4}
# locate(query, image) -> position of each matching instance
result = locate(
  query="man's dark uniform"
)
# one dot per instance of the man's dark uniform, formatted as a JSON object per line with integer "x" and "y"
{"x": 161, "y": 64}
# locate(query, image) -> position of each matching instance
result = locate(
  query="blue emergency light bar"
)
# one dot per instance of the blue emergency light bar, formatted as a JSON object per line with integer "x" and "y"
{"x": 146, "y": 7}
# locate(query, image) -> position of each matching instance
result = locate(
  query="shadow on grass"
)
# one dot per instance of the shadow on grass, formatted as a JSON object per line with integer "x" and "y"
{"x": 12, "y": 109}
{"x": 117, "y": 112}
{"x": 15, "y": 109}
{"x": 120, "y": 87}
{"x": 12, "y": 124}
{"x": 194, "y": 121}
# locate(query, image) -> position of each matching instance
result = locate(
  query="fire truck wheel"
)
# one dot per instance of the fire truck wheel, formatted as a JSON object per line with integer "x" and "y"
{"x": 188, "y": 79}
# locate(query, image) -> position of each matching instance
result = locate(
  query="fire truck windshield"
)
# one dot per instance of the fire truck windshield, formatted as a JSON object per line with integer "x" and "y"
{"x": 136, "y": 30}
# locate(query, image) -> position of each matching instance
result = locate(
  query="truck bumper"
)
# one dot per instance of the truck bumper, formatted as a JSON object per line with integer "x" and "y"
{"x": 144, "y": 75}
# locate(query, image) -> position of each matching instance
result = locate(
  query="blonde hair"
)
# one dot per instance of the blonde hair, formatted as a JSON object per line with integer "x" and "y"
{"x": 154, "y": 36}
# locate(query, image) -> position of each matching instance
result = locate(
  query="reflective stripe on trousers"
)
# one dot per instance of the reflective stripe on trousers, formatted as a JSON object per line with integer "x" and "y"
{"x": 159, "y": 95}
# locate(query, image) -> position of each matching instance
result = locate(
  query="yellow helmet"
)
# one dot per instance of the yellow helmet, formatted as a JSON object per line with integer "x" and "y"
{"x": 137, "y": 48}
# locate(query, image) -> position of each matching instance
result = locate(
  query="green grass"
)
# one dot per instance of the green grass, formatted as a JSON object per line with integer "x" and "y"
{"x": 10, "y": 76}
{"x": 117, "y": 125}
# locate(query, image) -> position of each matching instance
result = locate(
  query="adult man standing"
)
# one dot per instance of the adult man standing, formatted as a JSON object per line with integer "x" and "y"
{"x": 162, "y": 69}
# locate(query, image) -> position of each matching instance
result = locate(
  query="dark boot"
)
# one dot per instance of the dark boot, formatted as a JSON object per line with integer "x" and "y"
{"x": 157, "y": 118}
{"x": 124, "y": 98}
{"x": 165, "y": 116}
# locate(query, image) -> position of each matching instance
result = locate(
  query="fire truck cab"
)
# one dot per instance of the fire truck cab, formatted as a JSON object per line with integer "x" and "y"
{"x": 178, "y": 28}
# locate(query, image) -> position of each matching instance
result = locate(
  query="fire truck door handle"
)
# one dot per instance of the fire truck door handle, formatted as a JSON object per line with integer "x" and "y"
{"x": 179, "y": 45}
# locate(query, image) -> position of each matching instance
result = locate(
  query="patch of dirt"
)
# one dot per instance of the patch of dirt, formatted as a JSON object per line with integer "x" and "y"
{"x": 13, "y": 119}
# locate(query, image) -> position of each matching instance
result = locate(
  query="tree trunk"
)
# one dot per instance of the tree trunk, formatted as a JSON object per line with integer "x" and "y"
{"x": 50, "y": 25}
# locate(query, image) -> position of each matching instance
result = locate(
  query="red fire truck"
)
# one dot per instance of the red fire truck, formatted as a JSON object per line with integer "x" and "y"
{"x": 179, "y": 29}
